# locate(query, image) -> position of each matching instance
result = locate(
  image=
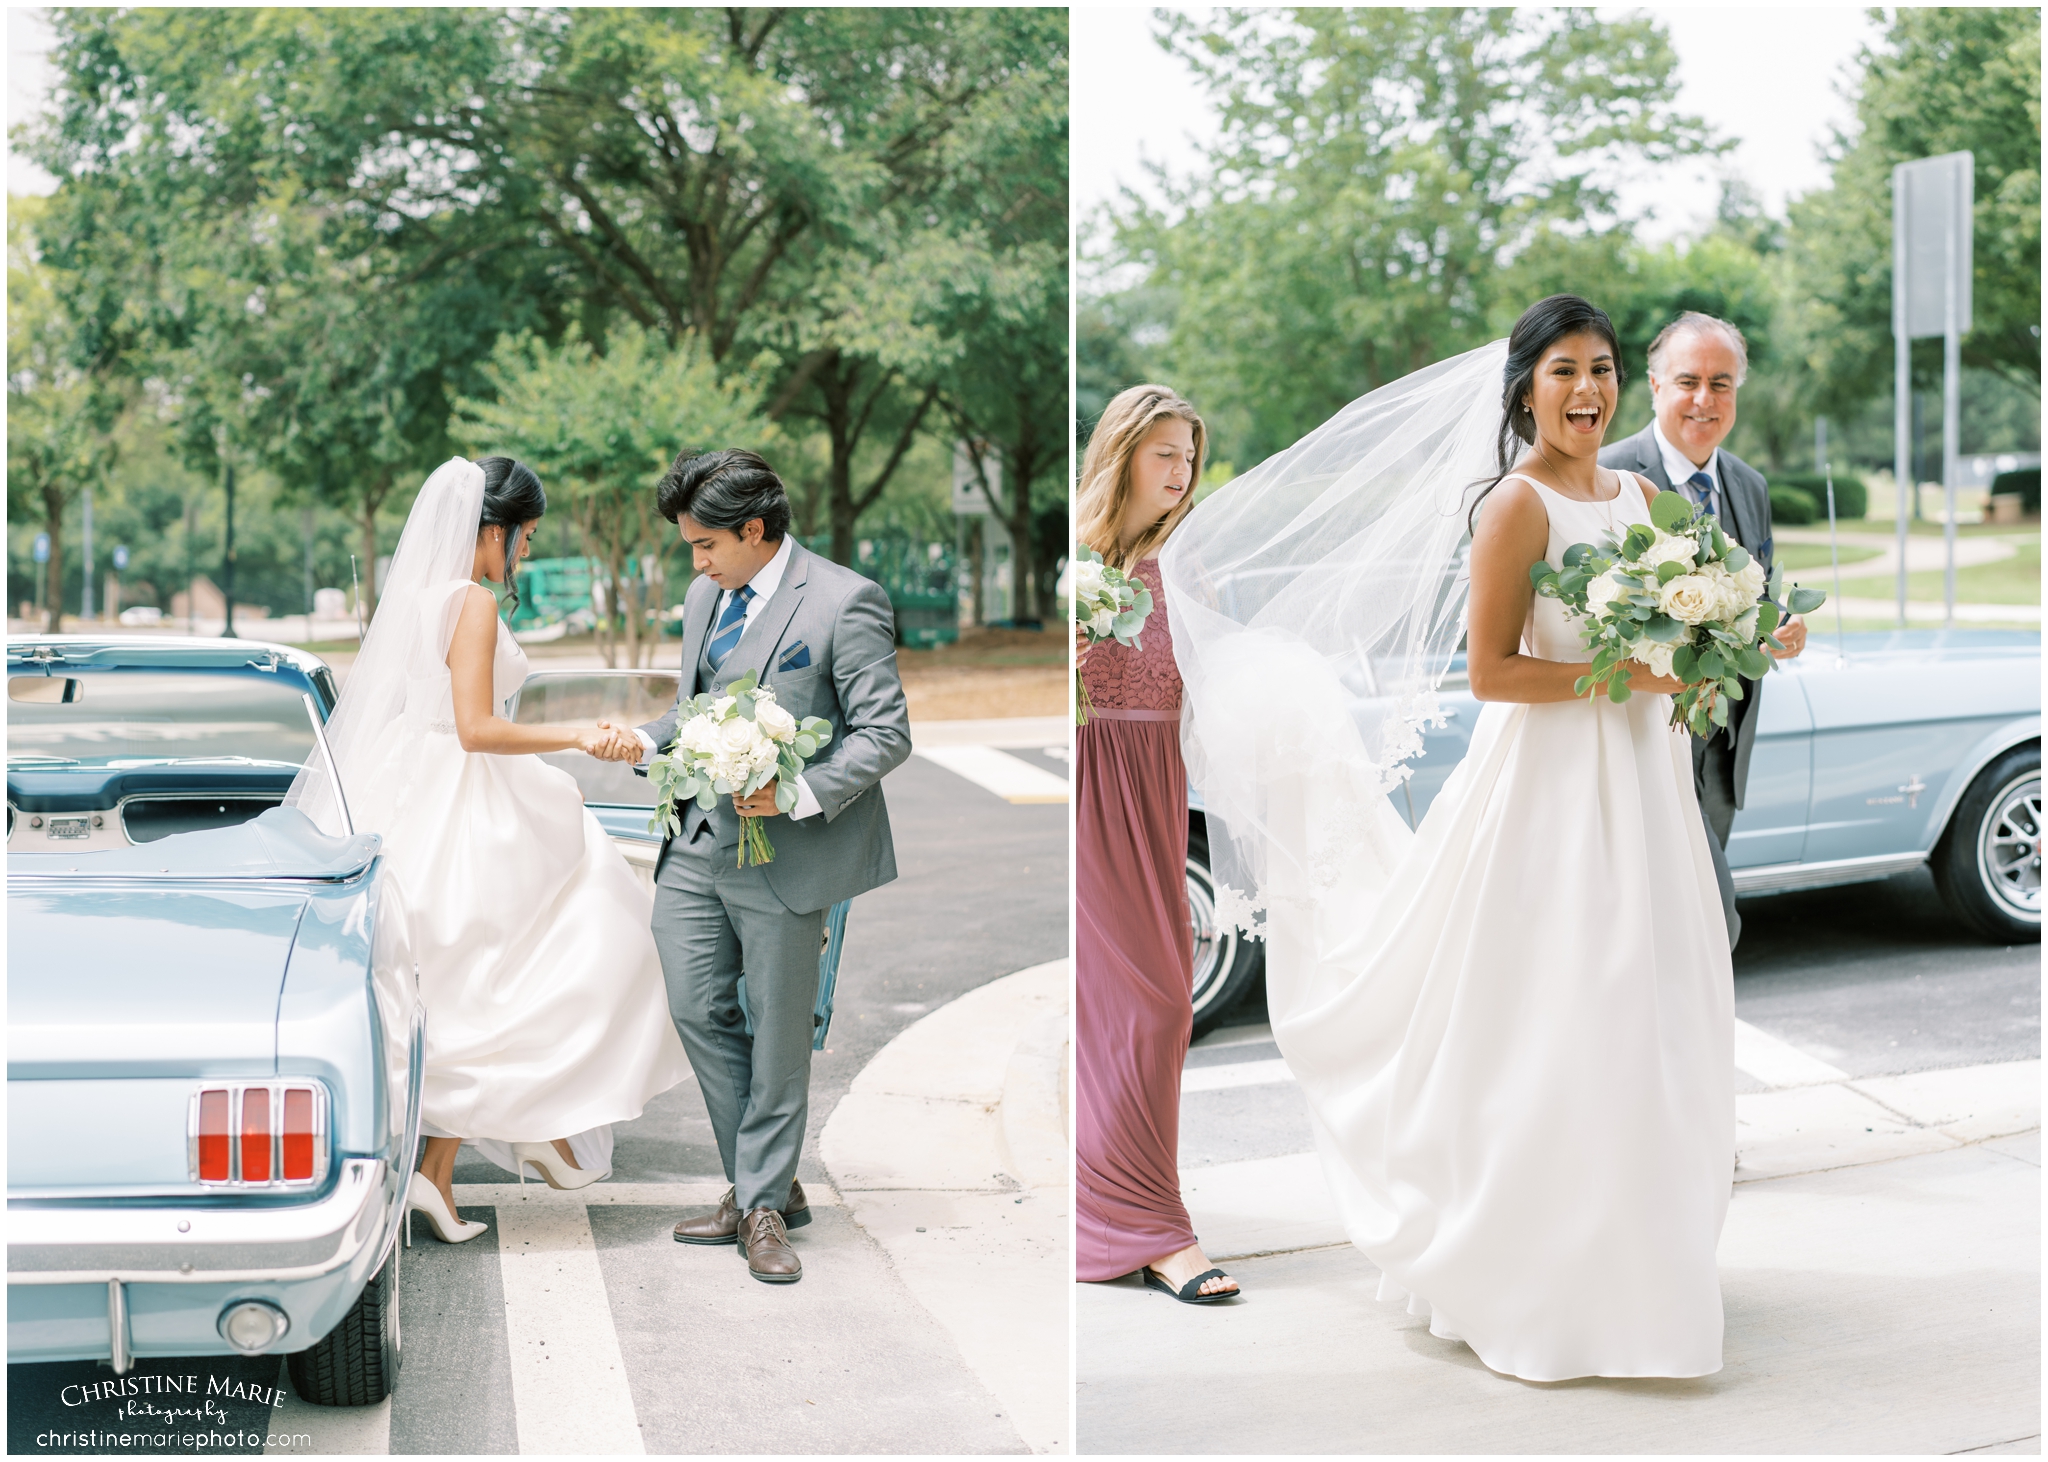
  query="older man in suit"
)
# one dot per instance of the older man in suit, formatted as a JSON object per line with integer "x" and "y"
{"x": 823, "y": 639}
{"x": 1697, "y": 365}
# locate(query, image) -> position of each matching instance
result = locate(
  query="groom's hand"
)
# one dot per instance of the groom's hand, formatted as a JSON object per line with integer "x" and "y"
{"x": 759, "y": 804}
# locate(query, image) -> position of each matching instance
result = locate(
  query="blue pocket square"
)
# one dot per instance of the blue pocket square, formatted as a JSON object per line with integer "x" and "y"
{"x": 796, "y": 657}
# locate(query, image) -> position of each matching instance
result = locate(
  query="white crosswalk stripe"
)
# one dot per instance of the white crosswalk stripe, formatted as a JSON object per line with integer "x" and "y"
{"x": 1010, "y": 777}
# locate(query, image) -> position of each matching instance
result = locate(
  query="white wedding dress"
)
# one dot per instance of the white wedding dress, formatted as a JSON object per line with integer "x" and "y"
{"x": 1519, "y": 1062}
{"x": 546, "y": 1011}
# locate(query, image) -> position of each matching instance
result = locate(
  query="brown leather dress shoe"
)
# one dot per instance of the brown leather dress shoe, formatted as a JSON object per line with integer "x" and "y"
{"x": 764, "y": 1243}
{"x": 723, "y": 1226}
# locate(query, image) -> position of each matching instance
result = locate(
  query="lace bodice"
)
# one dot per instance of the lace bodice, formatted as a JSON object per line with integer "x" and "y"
{"x": 1144, "y": 679}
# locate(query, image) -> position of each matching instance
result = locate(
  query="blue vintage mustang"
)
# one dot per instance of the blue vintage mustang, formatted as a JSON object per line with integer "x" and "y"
{"x": 213, "y": 1027}
{"x": 1875, "y": 755}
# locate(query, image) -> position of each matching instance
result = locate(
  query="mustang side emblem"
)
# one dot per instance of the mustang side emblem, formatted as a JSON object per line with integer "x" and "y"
{"x": 1912, "y": 791}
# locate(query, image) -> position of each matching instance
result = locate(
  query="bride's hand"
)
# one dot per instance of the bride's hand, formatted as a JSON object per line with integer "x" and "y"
{"x": 605, "y": 743}
{"x": 1642, "y": 679}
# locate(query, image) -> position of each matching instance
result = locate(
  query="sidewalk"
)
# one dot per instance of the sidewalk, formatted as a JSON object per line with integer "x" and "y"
{"x": 950, "y": 1151}
{"x": 1880, "y": 1269}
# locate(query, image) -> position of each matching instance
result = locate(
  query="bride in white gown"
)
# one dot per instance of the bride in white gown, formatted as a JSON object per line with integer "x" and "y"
{"x": 1513, "y": 1026}
{"x": 546, "y": 1014}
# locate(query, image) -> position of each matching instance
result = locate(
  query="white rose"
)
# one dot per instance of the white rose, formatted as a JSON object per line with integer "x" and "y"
{"x": 1657, "y": 656}
{"x": 699, "y": 734}
{"x": 722, "y": 707}
{"x": 1690, "y": 597}
{"x": 1102, "y": 623}
{"x": 1667, "y": 549}
{"x": 1745, "y": 625}
{"x": 1751, "y": 577}
{"x": 1087, "y": 580}
{"x": 775, "y": 722}
{"x": 736, "y": 737}
{"x": 1603, "y": 591}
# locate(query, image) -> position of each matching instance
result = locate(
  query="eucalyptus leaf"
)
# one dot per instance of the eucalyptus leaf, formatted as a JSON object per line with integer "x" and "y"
{"x": 1737, "y": 560}
{"x": 1664, "y": 629}
{"x": 1804, "y": 600}
{"x": 1577, "y": 554}
{"x": 1669, "y": 509}
{"x": 1711, "y": 665}
{"x": 1719, "y": 715}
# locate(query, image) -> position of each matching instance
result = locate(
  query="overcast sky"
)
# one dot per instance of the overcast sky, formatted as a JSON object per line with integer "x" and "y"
{"x": 1771, "y": 78}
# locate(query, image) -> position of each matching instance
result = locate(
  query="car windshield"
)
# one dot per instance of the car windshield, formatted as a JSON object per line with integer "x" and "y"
{"x": 123, "y": 718}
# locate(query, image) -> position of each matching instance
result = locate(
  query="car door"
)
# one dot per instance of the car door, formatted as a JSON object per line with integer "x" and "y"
{"x": 620, "y": 798}
{"x": 1890, "y": 731}
{"x": 1777, "y": 801}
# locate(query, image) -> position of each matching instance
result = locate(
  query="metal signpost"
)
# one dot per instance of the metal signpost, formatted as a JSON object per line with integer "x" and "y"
{"x": 41, "y": 554}
{"x": 1933, "y": 202}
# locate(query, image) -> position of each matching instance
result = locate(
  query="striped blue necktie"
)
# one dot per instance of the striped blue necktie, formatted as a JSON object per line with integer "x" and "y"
{"x": 1703, "y": 492}
{"x": 731, "y": 625}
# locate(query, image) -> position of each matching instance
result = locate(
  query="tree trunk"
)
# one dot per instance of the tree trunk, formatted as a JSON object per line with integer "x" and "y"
{"x": 835, "y": 387}
{"x": 53, "y": 583}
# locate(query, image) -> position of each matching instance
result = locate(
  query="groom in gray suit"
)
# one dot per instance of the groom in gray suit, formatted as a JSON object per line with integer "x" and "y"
{"x": 1697, "y": 364}
{"x": 823, "y": 639}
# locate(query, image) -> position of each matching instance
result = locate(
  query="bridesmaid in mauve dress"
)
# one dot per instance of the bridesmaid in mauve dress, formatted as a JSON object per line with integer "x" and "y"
{"x": 1134, "y": 971}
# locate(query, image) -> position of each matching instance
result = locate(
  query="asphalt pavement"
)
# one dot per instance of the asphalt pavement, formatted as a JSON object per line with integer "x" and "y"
{"x": 577, "y": 1325}
{"x": 1881, "y": 1263}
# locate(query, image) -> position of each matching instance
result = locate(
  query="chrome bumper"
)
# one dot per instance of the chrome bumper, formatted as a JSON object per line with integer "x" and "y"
{"x": 172, "y": 1245}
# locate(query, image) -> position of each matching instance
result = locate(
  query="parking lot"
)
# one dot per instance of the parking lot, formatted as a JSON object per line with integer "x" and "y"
{"x": 672, "y": 1348}
{"x": 1880, "y": 1264}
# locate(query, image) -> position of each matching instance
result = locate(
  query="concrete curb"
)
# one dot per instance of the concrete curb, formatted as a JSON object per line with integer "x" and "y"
{"x": 951, "y": 1151}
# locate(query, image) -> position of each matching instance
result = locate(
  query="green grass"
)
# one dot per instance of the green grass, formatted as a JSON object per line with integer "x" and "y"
{"x": 1890, "y": 527}
{"x": 2015, "y": 580}
{"x": 1795, "y": 556}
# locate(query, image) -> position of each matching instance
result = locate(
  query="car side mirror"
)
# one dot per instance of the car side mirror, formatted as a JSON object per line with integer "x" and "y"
{"x": 45, "y": 690}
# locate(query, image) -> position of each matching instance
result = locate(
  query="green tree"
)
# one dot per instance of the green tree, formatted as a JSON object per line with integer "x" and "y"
{"x": 61, "y": 402}
{"x": 1942, "y": 80}
{"x": 600, "y": 429}
{"x": 1375, "y": 169}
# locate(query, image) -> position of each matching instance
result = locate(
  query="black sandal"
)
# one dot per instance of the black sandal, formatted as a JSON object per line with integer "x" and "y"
{"x": 1191, "y": 1292}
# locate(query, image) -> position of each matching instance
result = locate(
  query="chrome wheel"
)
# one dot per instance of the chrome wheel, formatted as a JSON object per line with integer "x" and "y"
{"x": 1215, "y": 948}
{"x": 2009, "y": 847}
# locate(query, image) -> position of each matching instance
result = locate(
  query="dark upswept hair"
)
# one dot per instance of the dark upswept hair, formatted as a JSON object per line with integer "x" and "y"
{"x": 513, "y": 497}
{"x": 725, "y": 490}
{"x": 1542, "y": 325}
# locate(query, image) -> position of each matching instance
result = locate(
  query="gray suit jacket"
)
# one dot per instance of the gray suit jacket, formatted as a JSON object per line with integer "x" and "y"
{"x": 849, "y": 628}
{"x": 1746, "y": 516}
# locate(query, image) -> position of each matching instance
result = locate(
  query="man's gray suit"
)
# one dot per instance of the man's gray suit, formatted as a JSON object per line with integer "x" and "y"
{"x": 1720, "y": 763}
{"x": 714, "y": 922}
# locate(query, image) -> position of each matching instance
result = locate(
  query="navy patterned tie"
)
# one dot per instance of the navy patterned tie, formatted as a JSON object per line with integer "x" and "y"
{"x": 1703, "y": 492}
{"x": 731, "y": 625}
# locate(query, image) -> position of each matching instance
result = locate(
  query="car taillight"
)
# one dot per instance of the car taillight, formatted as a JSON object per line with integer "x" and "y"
{"x": 299, "y": 1133}
{"x": 256, "y": 1134}
{"x": 213, "y": 1137}
{"x": 263, "y": 1134}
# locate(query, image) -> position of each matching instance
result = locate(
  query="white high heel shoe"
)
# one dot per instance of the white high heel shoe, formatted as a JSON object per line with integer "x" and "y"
{"x": 424, "y": 1197}
{"x": 557, "y": 1172}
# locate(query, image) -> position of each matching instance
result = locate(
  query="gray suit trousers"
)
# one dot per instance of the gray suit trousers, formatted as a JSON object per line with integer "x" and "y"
{"x": 1713, "y": 778}
{"x": 712, "y": 923}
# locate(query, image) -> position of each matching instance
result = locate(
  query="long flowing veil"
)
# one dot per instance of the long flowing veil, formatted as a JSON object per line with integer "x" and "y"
{"x": 400, "y": 665}
{"x": 1317, "y": 602}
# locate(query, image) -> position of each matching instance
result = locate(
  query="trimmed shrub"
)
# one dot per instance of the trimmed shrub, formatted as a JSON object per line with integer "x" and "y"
{"x": 1791, "y": 506}
{"x": 1852, "y": 497}
{"x": 2026, "y": 482}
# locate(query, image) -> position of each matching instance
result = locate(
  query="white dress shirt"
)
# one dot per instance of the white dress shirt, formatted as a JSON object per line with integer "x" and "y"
{"x": 767, "y": 579}
{"x": 1679, "y": 467}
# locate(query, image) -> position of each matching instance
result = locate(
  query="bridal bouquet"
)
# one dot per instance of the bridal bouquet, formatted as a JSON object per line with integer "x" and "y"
{"x": 1678, "y": 595}
{"x": 1108, "y": 605}
{"x": 734, "y": 743}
